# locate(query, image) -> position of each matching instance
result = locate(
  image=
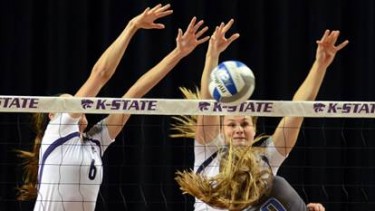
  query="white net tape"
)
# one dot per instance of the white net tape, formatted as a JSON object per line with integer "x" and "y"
{"x": 148, "y": 106}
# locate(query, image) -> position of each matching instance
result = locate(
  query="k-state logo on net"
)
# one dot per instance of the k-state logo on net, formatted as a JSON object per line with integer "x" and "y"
{"x": 204, "y": 106}
{"x": 319, "y": 107}
{"x": 87, "y": 103}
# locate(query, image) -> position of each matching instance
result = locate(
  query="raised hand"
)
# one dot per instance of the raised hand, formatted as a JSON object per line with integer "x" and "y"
{"x": 327, "y": 47}
{"x": 315, "y": 207}
{"x": 147, "y": 18}
{"x": 186, "y": 42}
{"x": 218, "y": 42}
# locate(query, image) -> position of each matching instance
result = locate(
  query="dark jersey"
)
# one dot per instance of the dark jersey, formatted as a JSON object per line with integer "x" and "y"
{"x": 282, "y": 197}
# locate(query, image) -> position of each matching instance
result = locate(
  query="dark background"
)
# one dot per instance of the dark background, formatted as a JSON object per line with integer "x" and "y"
{"x": 49, "y": 47}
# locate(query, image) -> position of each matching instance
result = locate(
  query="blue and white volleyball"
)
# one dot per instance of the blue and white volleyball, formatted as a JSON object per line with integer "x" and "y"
{"x": 232, "y": 82}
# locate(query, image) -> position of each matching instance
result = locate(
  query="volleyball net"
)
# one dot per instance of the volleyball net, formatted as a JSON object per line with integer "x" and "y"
{"x": 332, "y": 163}
{"x": 343, "y": 109}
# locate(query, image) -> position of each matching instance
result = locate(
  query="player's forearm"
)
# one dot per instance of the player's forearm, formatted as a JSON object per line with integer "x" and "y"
{"x": 211, "y": 62}
{"x": 310, "y": 87}
{"x": 109, "y": 60}
{"x": 154, "y": 75}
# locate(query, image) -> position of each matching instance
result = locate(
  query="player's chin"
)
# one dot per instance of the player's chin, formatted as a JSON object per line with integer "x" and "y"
{"x": 241, "y": 142}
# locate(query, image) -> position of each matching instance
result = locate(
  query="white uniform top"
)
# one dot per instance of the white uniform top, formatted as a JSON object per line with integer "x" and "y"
{"x": 70, "y": 166}
{"x": 203, "y": 152}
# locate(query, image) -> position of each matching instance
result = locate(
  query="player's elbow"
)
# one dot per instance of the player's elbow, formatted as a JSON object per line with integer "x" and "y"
{"x": 101, "y": 74}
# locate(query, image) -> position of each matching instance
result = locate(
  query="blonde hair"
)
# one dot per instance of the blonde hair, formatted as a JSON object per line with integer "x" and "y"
{"x": 242, "y": 181}
{"x": 28, "y": 190}
{"x": 185, "y": 125}
{"x": 243, "y": 178}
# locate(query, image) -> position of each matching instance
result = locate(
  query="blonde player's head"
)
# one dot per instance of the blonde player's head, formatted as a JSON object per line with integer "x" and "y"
{"x": 239, "y": 129}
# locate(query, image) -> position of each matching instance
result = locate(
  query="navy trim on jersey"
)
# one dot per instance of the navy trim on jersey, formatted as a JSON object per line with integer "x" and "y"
{"x": 95, "y": 142}
{"x": 207, "y": 162}
{"x": 52, "y": 147}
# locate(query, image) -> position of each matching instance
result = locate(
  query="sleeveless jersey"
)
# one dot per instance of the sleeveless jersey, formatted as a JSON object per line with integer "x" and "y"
{"x": 70, "y": 165}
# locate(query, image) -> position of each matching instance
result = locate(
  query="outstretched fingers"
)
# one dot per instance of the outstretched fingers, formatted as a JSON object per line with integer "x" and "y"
{"x": 325, "y": 35}
{"x": 330, "y": 38}
{"x": 193, "y": 36}
{"x": 333, "y": 39}
{"x": 327, "y": 47}
{"x": 224, "y": 28}
{"x": 200, "y": 33}
{"x": 148, "y": 17}
{"x": 342, "y": 45}
{"x": 233, "y": 37}
{"x": 195, "y": 28}
{"x": 227, "y": 26}
{"x": 190, "y": 27}
{"x": 215, "y": 34}
{"x": 162, "y": 11}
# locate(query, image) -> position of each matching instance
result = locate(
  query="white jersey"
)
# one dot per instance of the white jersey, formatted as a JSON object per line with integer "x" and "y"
{"x": 70, "y": 166}
{"x": 204, "y": 152}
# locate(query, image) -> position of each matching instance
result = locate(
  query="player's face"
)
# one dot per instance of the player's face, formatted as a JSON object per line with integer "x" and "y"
{"x": 239, "y": 129}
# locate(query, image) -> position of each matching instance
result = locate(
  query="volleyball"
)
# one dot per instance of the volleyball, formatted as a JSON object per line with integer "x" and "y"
{"x": 232, "y": 82}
